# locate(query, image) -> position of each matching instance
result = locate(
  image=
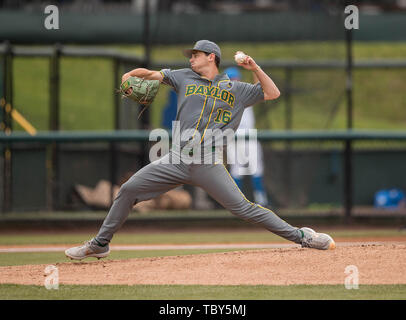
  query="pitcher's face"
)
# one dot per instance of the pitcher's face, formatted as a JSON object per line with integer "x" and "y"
{"x": 199, "y": 60}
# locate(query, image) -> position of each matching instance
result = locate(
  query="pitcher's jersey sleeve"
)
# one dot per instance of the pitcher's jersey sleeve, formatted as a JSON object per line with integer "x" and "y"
{"x": 173, "y": 78}
{"x": 250, "y": 94}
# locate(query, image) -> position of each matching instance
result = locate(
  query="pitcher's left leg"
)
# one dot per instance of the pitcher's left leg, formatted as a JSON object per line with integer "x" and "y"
{"x": 217, "y": 182}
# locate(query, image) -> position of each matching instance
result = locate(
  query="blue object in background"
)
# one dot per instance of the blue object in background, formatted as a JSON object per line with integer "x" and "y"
{"x": 233, "y": 73}
{"x": 170, "y": 109}
{"x": 391, "y": 198}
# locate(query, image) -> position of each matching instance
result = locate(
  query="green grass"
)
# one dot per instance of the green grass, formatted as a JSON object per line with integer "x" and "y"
{"x": 87, "y": 87}
{"x": 188, "y": 237}
{"x": 86, "y": 95}
{"x": 20, "y": 258}
{"x": 295, "y": 50}
{"x": 180, "y": 292}
{"x": 144, "y": 238}
{"x": 195, "y": 292}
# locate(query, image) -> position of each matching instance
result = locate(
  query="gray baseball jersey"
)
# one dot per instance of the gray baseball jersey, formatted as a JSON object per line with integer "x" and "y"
{"x": 210, "y": 104}
{"x": 203, "y": 104}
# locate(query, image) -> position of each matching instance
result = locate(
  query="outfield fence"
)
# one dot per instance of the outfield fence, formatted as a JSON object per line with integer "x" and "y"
{"x": 296, "y": 172}
{"x": 51, "y": 142}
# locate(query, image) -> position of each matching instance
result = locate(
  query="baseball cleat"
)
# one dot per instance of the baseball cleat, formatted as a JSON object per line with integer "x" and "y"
{"x": 312, "y": 239}
{"x": 89, "y": 249}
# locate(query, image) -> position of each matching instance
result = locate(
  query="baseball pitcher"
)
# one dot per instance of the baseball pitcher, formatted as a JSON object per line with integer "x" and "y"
{"x": 207, "y": 100}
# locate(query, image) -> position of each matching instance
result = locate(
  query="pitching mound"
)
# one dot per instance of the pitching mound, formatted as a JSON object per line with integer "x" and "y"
{"x": 377, "y": 264}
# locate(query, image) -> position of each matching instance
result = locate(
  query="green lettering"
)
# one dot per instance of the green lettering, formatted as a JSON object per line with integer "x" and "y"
{"x": 200, "y": 90}
{"x": 190, "y": 89}
{"x": 216, "y": 94}
{"x": 210, "y": 91}
{"x": 217, "y": 119}
{"x": 231, "y": 100}
{"x": 224, "y": 95}
{"x": 226, "y": 116}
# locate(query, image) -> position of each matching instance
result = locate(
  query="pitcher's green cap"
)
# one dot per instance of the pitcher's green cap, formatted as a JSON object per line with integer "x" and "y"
{"x": 205, "y": 46}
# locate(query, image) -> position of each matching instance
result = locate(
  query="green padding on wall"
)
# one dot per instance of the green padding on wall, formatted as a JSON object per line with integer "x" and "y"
{"x": 28, "y": 27}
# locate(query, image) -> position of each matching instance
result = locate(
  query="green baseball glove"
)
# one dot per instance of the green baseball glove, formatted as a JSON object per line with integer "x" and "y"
{"x": 140, "y": 90}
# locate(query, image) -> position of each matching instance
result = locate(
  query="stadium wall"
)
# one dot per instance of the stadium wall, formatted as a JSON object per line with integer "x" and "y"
{"x": 166, "y": 28}
{"x": 316, "y": 176}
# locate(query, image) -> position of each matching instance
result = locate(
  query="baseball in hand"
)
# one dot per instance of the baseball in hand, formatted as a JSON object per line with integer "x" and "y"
{"x": 239, "y": 57}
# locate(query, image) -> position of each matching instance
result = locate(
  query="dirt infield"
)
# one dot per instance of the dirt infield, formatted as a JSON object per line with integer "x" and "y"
{"x": 383, "y": 263}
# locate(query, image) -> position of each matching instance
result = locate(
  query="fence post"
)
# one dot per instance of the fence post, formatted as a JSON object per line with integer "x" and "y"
{"x": 6, "y": 125}
{"x": 348, "y": 181}
{"x": 288, "y": 144}
{"x": 54, "y": 125}
{"x": 146, "y": 115}
{"x": 113, "y": 146}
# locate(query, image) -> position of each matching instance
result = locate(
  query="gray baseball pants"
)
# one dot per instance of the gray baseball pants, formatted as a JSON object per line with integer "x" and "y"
{"x": 159, "y": 177}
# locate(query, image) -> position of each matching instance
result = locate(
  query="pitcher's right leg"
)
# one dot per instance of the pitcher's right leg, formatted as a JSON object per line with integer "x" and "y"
{"x": 147, "y": 183}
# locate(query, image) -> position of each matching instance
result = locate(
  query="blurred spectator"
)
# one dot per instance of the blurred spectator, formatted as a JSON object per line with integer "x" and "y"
{"x": 248, "y": 122}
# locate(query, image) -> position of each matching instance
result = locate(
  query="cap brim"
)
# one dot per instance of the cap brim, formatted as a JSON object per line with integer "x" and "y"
{"x": 188, "y": 52}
